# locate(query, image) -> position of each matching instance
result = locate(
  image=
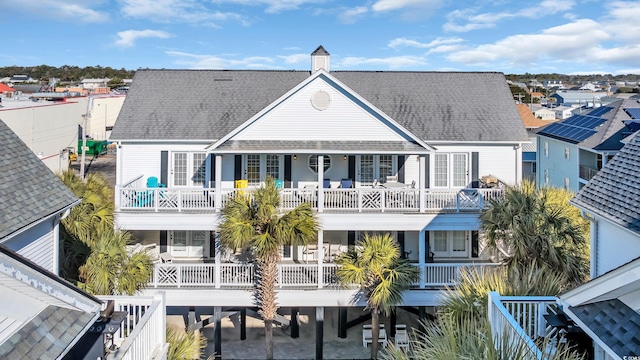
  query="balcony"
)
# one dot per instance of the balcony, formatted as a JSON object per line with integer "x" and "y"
{"x": 142, "y": 333}
{"x": 290, "y": 276}
{"x": 586, "y": 173}
{"x": 369, "y": 199}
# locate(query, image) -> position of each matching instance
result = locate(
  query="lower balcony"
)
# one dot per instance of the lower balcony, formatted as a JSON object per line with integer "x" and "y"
{"x": 290, "y": 276}
{"x": 326, "y": 200}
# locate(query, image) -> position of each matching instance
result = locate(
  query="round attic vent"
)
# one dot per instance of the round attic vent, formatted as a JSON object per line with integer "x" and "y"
{"x": 321, "y": 100}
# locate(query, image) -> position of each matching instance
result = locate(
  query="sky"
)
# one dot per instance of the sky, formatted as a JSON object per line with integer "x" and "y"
{"x": 513, "y": 37}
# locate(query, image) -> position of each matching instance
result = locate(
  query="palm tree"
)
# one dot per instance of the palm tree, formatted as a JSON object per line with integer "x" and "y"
{"x": 255, "y": 221}
{"x": 185, "y": 345}
{"x": 539, "y": 228}
{"x": 375, "y": 265}
{"x": 110, "y": 270}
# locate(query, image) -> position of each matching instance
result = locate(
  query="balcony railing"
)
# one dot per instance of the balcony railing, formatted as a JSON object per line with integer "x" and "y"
{"x": 356, "y": 200}
{"x": 519, "y": 320}
{"x": 290, "y": 276}
{"x": 587, "y": 173}
{"x": 142, "y": 333}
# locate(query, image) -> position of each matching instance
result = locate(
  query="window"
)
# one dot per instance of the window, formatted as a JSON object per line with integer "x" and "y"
{"x": 546, "y": 149}
{"x": 546, "y": 176}
{"x": 313, "y": 163}
{"x": 253, "y": 169}
{"x": 257, "y": 167}
{"x": 189, "y": 169}
{"x": 451, "y": 170}
{"x": 567, "y": 153}
{"x": 450, "y": 244}
{"x": 376, "y": 167}
{"x": 566, "y": 183}
{"x": 273, "y": 166}
{"x": 533, "y": 167}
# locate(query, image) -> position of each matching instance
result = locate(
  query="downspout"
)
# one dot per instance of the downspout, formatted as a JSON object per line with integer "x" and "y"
{"x": 593, "y": 244}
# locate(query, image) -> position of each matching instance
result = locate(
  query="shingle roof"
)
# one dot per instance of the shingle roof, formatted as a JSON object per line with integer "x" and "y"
{"x": 529, "y": 120}
{"x": 313, "y": 146}
{"x": 208, "y": 104}
{"x": 616, "y": 324}
{"x": 614, "y": 192}
{"x": 29, "y": 191}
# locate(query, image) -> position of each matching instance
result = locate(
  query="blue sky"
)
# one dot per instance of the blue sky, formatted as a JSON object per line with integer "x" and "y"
{"x": 514, "y": 37}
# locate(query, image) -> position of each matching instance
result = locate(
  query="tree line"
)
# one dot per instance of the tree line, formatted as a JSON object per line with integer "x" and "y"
{"x": 66, "y": 73}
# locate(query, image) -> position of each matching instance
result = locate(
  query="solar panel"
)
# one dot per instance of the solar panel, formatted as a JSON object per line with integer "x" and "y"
{"x": 585, "y": 121}
{"x": 599, "y": 111}
{"x": 633, "y": 125}
{"x": 633, "y": 112}
{"x": 566, "y": 132}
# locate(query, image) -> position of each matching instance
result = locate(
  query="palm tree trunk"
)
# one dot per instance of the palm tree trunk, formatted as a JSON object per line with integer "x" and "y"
{"x": 267, "y": 296}
{"x": 375, "y": 332}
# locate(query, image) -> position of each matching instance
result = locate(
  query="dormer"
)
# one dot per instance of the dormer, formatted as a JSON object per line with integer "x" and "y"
{"x": 319, "y": 59}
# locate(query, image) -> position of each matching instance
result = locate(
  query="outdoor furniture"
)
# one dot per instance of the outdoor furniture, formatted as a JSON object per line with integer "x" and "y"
{"x": 346, "y": 183}
{"x": 326, "y": 183}
{"x": 312, "y": 250}
{"x": 166, "y": 258}
{"x": 367, "y": 336}
{"x": 401, "y": 340}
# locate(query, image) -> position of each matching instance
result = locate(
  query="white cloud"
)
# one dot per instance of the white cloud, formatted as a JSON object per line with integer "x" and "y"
{"x": 273, "y": 6}
{"x": 388, "y": 5}
{"x": 129, "y": 37}
{"x": 468, "y": 20}
{"x": 295, "y": 58}
{"x": 394, "y": 62}
{"x": 195, "y": 61}
{"x": 78, "y": 10}
{"x": 349, "y": 16}
{"x": 404, "y": 42}
{"x": 190, "y": 11}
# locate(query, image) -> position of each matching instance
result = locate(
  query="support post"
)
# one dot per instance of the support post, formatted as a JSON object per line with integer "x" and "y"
{"x": 422, "y": 313}
{"x": 243, "y": 324}
{"x": 393, "y": 320}
{"x": 295, "y": 328}
{"x": 217, "y": 332}
{"x": 319, "y": 331}
{"x": 342, "y": 322}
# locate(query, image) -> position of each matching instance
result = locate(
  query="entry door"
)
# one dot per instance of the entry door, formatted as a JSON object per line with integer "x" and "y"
{"x": 191, "y": 244}
{"x": 179, "y": 169}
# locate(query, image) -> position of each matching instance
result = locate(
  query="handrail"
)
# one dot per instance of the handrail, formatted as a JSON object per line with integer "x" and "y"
{"x": 130, "y": 182}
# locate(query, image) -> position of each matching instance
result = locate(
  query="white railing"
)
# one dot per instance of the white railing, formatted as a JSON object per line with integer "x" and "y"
{"x": 357, "y": 200}
{"x": 519, "y": 321}
{"x": 142, "y": 333}
{"x": 177, "y": 275}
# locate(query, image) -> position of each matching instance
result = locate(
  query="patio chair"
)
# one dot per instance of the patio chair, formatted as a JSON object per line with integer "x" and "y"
{"x": 153, "y": 182}
{"x": 145, "y": 198}
{"x": 326, "y": 183}
{"x": 367, "y": 336}
{"x": 346, "y": 183}
{"x": 311, "y": 249}
{"x": 401, "y": 340}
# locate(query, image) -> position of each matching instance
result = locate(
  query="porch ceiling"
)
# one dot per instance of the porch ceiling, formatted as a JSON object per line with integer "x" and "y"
{"x": 329, "y": 147}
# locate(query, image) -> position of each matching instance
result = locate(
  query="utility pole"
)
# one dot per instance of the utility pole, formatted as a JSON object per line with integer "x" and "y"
{"x": 86, "y": 117}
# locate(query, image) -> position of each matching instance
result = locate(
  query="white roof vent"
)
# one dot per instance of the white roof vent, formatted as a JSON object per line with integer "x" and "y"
{"x": 319, "y": 59}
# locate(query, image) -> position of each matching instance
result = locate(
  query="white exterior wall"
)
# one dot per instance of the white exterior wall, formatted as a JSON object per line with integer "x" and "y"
{"x": 48, "y": 129}
{"x": 501, "y": 161}
{"x": 37, "y": 244}
{"x": 104, "y": 114}
{"x": 137, "y": 159}
{"x": 611, "y": 239}
{"x": 342, "y": 120}
{"x": 557, "y": 165}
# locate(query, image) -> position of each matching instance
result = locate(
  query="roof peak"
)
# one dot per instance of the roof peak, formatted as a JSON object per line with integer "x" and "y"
{"x": 320, "y": 51}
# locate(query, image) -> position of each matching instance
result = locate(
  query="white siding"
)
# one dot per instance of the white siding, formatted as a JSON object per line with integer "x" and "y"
{"x": 500, "y": 161}
{"x": 297, "y": 119}
{"x": 612, "y": 239}
{"x": 40, "y": 250}
{"x": 144, "y": 158}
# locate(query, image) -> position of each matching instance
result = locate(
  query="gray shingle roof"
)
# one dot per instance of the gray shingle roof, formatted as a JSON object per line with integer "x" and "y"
{"x": 29, "y": 191}
{"x": 616, "y": 324}
{"x": 614, "y": 192}
{"x": 208, "y": 104}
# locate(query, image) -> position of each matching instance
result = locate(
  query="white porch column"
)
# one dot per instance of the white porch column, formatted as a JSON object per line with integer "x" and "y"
{"x": 320, "y": 183}
{"x": 320, "y": 256}
{"x": 422, "y": 185}
{"x": 218, "y": 260}
{"x": 422, "y": 251}
{"x": 218, "y": 183}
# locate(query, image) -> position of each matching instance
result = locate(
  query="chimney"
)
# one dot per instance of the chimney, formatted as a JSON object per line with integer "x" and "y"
{"x": 319, "y": 59}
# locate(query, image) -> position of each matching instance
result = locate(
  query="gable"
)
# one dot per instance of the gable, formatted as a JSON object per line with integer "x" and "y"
{"x": 322, "y": 110}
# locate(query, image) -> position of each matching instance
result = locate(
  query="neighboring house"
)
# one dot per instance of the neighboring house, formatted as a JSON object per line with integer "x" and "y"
{"x": 563, "y": 112}
{"x": 607, "y": 308}
{"x": 571, "y": 151}
{"x": 529, "y": 166}
{"x": 32, "y": 203}
{"x": 529, "y": 121}
{"x": 45, "y": 317}
{"x": 6, "y": 90}
{"x": 577, "y": 98}
{"x": 20, "y": 79}
{"x": 94, "y": 83}
{"x": 545, "y": 114}
{"x": 371, "y": 151}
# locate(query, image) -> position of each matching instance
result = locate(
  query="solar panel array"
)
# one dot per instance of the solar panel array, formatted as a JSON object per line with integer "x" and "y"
{"x": 585, "y": 121}
{"x": 599, "y": 111}
{"x": 633, "y": 112}
{"x": 571, "y": 133}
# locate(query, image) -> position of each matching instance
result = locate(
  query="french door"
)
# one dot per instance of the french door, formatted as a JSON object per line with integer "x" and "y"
{"x": 190, "y": 244}
{"x": 372, "y": 167}
{"x": 188, "y": 169}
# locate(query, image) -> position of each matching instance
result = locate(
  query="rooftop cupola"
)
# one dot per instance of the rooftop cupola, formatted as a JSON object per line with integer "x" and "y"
{"x": 319, "y": 59}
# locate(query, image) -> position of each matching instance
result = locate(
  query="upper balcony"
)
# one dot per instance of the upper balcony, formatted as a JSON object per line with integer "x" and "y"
{"x": 382, "y": 198}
